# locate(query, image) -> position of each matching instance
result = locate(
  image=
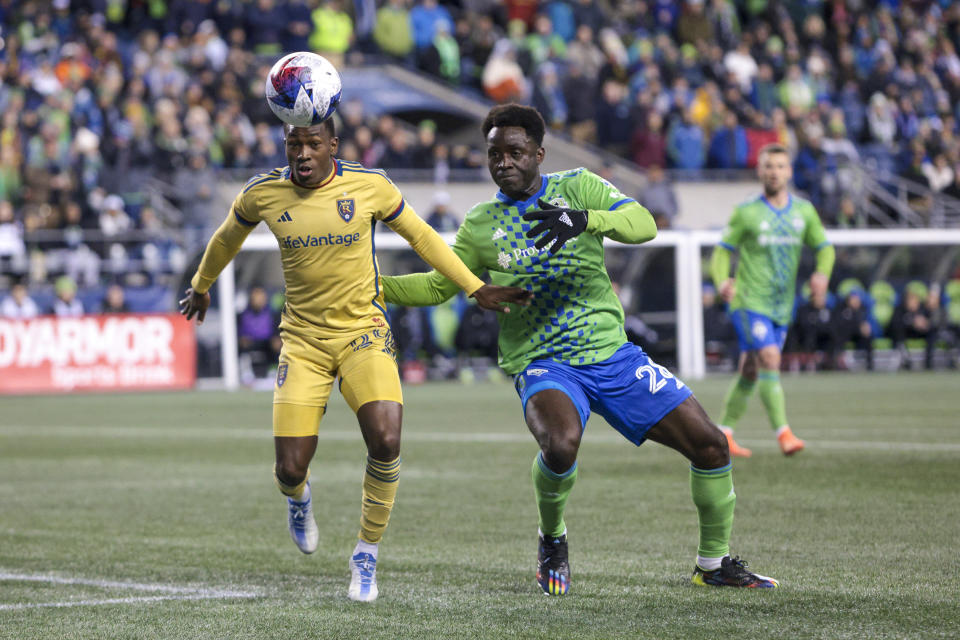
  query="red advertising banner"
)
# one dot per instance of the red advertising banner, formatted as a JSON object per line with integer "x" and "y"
{"x": 129, "y": 351}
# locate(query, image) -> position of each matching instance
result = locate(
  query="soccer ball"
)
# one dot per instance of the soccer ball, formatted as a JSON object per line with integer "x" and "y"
{"x": 303, "y": 89}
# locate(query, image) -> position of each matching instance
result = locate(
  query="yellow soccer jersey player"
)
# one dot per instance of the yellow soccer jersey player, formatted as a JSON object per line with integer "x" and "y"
{"x": 326, "y": 239}
{"x": 323, "y": 212}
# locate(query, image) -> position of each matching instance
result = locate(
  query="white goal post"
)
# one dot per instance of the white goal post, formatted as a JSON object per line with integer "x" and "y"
{"x": 691, "y": 359}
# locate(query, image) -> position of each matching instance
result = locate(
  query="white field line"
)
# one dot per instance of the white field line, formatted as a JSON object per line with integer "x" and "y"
{"x": 172, "y": 592}
{"x": 411, "y": 435}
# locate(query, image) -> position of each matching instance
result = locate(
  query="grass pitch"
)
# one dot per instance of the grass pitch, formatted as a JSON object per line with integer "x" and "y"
{"x": 155, "y": 516}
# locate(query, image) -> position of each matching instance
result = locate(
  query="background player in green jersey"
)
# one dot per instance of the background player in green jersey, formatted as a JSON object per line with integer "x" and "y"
{"x": 769, "y": 233}
{"x": 567, "y": 350}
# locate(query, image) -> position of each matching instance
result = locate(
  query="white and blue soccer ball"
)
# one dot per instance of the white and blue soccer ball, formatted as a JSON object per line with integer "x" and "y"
{"x": 303, "y": 89}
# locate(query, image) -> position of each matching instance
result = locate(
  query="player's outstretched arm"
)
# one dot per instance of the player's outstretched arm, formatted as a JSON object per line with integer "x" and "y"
{"x": 222, "y": 248}
{"x": 630, "y": 223}
{"x": 430, "y": 246}
{"x": 418, "y": 289}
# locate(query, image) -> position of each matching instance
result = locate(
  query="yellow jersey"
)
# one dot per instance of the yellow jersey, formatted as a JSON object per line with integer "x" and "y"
{"x": 326, "y": 239}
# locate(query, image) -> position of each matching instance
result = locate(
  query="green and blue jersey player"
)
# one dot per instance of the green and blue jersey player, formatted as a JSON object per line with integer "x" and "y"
{"x": 567, "y": 349}
{"x": 769, "y": 233}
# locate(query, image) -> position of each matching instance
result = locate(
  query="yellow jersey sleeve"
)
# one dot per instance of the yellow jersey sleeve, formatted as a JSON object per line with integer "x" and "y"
{"x": 225, "y": 243}
{"x": 430, "y": 246}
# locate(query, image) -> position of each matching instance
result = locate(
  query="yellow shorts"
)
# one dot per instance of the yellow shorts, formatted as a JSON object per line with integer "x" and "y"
{"x": 365, "y": 362}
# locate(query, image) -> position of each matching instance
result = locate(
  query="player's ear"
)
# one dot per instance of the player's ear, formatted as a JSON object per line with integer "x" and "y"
{"x": 541, "y": 154}
{"x": 334, "y": 143}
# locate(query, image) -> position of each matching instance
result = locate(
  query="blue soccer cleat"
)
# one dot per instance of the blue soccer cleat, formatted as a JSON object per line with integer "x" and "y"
{"x": 363, "y": 576}
{"x": 732, "y": 573}
{"x": 553, "y": 567}
{"x": 303, "y": 528}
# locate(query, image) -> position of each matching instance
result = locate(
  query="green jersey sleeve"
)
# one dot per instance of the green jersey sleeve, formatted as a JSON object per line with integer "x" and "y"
{"x": 428, "y": 289}
{"x": 814, "y": 236}
{"x": 612, "y": 214}
{"x": 733, "y": 233}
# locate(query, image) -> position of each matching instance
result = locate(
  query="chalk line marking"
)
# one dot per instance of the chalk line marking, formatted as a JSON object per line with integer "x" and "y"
{"x": 168, "y": 591}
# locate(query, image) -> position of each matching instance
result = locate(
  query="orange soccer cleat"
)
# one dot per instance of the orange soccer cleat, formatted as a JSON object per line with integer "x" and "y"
{"x": 735, "y": 449}
{"x": 789, "y": 443}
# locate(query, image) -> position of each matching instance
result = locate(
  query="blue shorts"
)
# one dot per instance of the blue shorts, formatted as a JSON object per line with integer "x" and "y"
{"x": 631, "y": 391}
{"x": 756, "y": 331}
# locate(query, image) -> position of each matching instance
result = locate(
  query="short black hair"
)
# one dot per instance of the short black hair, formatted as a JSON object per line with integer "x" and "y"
{"x": 328, "y": 125}
{"x": 516, "y": 115}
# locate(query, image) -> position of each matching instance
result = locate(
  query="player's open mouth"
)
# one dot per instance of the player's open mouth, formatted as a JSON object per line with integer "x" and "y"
{"x": 303, "y": 170}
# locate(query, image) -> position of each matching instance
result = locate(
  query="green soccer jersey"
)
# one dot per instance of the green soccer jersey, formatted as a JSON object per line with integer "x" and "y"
{"x": 770, "y": 242}
{"x": 575, "y": 316}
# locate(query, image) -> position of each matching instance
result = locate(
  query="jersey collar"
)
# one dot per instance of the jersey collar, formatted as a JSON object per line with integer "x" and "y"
{"x": 779, "y": 212}
{"x": 523, "y": 204}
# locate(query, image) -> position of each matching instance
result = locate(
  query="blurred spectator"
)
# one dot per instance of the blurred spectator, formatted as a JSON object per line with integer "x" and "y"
{"x": 881, "y": 119}
{"x": 332, "y": 31}
{"x": 660, "y": 198}
{"x": 613, "y": 118}
{"x": 728, "y": 147}
{"x": 425, "y": 18}
{"x": 649, "y": 143}
{"x": 113, "y": 218}
{"x": 741, "y": 64}
{"x": 257, "y": 337}
{"x": 195, "y": 186}
{"x": 18, "y": 304}
{"x": 852, "y": 325}
{"x": 393, "y": 32}
{"x": 398, "y": 153}
{"x": 477, "y": 333}
{"x": 114, "y": 300}
{"x": 685, "y": 144}
{"x": 719, "y": 336}
{"x": 502, "y": 78}
{"x": 694, "y": 26}
{"x": 441, "y": 218}
{"x": 265, "y": 22}
{"x": 579, "y": 91}
{"x": 910, "y": 321}
{"x": 548, "y": 97}
{"x": 940, "y": 330}
{"x": 815, "y": 334}
{"x": 12, "y": 248}
{"x": 66, "y": 303}
{"x": 938, "y": 173}
{"x": 441, "y": 57}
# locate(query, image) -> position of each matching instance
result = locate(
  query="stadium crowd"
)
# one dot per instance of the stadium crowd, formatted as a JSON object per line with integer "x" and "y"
{"x": 116, "y": 115}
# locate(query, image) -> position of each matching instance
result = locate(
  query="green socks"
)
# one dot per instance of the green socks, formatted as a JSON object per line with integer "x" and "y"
{"x": 771, "y": 393}
{"x": 712, "y": 491}
{"x": 551, "y": 491}
{"x": 735, "y": 403}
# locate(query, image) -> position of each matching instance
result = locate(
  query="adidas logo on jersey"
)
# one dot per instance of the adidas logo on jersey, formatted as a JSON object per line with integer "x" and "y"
{"x": 285, "y": 217}
{"x": 499, "y": 233}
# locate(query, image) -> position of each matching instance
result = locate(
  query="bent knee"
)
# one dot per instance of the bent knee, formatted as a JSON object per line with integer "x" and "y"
{"x": 386, "y": 447}
{"x": 290, "y": 472}
{"x": 713, "y": 451}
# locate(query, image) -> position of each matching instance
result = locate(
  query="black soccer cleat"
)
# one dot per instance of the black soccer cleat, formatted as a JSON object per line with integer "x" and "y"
{"x": 553, "y": 567}
{"x": 732, "y": 573}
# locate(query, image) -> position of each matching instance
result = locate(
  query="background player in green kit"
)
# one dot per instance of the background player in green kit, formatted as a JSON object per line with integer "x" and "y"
{"x": 567, "y": 350}
{"x": 769, "y": 233}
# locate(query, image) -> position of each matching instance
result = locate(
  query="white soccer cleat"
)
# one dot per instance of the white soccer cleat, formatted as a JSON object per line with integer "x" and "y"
{"x": 303, "y": 528}
{"x": 363, "y": 573}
